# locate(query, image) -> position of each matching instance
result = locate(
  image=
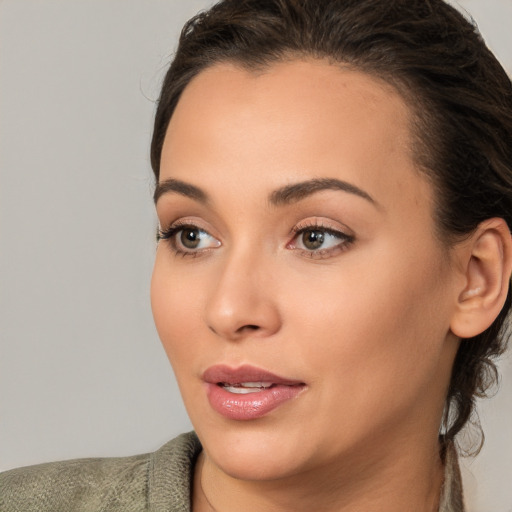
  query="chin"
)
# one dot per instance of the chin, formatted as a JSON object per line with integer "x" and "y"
{"x": 250, "y": 452}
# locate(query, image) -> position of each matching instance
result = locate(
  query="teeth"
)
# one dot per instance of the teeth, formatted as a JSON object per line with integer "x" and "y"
{"x": 255, "y": 384}
{"x": 241, "y": 391}
{"x": 244, "y": 388}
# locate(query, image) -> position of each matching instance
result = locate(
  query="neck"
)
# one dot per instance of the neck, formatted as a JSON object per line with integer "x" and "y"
{"x": 405, "y": 478}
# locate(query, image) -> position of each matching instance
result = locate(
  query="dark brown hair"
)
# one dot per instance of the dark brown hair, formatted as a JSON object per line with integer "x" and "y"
{"x": 460, "y": 97}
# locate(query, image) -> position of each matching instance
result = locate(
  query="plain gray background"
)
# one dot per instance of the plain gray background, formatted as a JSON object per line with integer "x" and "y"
{"x": 82, "y": 372}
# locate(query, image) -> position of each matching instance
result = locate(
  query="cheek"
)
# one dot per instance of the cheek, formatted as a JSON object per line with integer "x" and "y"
{"x": 174, "y": 302}
{"x": 371, "y": 326}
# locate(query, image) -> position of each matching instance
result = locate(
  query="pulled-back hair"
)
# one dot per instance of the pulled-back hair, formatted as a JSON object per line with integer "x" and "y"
{"x": 459, "y": 96}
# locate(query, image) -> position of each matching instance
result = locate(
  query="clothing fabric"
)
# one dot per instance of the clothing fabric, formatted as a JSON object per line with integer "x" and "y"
{"x": 155, "y": 482}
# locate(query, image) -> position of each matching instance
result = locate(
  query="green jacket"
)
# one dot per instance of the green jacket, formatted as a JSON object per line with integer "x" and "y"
{"x": 154, "y": 482}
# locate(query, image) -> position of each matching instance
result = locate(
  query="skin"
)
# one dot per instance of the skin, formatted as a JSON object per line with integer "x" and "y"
{"x": 365, "y": 324}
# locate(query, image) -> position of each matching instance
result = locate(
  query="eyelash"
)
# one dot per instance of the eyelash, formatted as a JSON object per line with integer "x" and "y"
{"x": 346, "y": 240}
{"x": 170, "y": 233}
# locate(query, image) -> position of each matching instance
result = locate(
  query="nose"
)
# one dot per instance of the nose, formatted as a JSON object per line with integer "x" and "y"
{"x": 243, "y": 302}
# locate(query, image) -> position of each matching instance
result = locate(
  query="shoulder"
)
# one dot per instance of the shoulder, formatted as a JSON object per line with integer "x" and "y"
{"x": 101, "y": 484}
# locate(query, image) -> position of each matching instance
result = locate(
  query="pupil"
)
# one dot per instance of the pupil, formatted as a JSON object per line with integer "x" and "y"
{"x": 190, "y": 238}
{"x": 313, "y": 239}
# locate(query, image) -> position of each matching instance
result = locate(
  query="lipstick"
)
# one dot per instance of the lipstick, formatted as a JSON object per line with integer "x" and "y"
{"x": 247, "y": 392}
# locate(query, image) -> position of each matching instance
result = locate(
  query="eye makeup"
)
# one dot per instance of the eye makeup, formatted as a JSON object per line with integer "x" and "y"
{"x": 315, "y": 240}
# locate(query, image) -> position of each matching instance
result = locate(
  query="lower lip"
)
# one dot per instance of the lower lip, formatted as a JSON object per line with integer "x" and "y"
{"x": 249, "y": 406}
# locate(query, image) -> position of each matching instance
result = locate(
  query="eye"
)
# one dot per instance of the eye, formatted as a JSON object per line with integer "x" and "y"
{"x": 192, "y": 238}
{"x": 320, "y": 242}
{"x": 313, "y": 239}
{"x": 188, "y": 239}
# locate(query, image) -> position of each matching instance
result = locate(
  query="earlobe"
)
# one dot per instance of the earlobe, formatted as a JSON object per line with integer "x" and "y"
{"x": 487, "y": 265}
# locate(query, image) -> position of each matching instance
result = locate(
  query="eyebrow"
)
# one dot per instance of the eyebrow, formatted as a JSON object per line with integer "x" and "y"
{"x": 280, "y": 197}
{"x": 298, "y": 191}
{"x": 179, "y": 187}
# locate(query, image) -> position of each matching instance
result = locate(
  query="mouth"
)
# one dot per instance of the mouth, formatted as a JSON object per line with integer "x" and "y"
{"x": 247, "y": 392}
{"x": 244, "y": 388}
{"x": 246, "y": 376}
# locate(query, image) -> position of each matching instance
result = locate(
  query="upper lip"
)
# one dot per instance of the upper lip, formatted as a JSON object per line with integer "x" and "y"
{"x": 225, "y": 374}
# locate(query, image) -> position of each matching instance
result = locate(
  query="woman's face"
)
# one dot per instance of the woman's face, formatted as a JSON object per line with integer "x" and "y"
{"x": 299, "y": 289}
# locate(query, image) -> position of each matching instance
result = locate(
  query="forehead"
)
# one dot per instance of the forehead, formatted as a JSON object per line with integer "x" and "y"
{"x": 295, "y": 120}
{"x": 306, "y": 90}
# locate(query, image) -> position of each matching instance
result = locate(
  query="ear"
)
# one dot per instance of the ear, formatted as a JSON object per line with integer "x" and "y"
{"x": 487, "y": 265}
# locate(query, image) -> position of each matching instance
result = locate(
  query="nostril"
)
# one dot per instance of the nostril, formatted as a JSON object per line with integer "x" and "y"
{"x": 249, "y": 327}
{"x": 240, "y": 330}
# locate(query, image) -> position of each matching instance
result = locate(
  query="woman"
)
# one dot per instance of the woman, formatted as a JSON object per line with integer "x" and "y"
{"x": 334, "y": 198}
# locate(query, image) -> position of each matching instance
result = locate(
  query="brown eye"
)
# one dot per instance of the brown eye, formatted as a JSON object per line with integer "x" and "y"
{"x": 190, "y": 238}
{"x": 313, "y": 239}
{"x": 320, "y": 242}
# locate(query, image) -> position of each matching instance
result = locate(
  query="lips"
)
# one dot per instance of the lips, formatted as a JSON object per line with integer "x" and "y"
{"x": 247, "y": 392}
